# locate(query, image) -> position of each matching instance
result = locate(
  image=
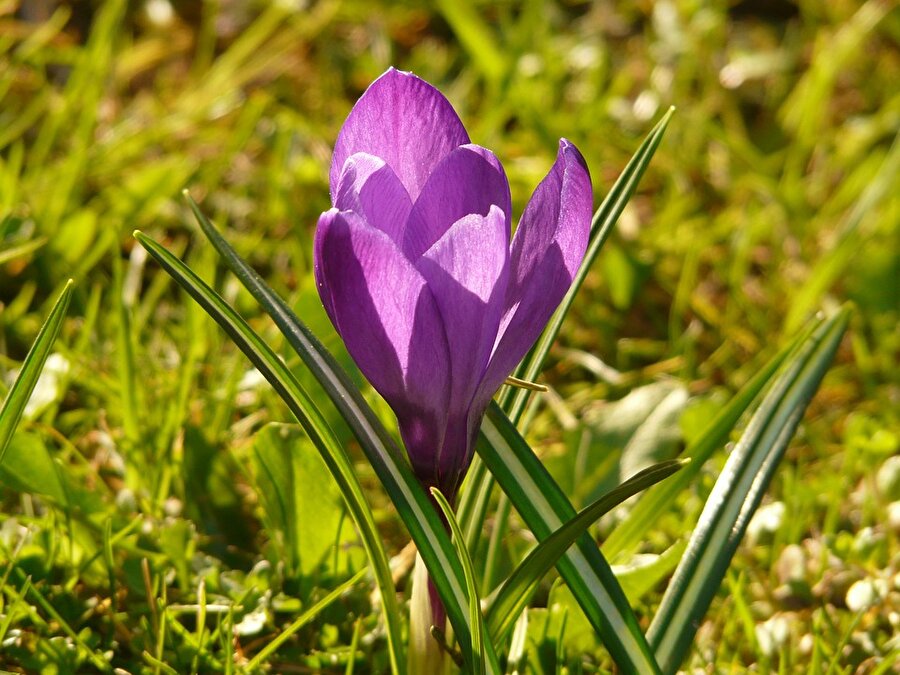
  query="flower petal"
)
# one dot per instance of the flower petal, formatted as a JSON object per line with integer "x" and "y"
{"x": 405, "y": 121}
{"x": 370, "y": 188}
{"x": 469, "y": 180}
{"x": 387, "y": 317}
{"x": 547, "y": 250}
{"x": 467, "y": 271}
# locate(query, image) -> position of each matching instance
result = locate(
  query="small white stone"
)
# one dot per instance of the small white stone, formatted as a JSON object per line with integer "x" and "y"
{"x": 807, "y": 644}
{"x": 865, "y": 539}
{"x": 159, "y": 13}
{"x": 645, "y": 105}
{"x": 172, "y": 507}
{"x": 865, "y": 593}
{"x": 888, "y": 478}
{"x": 791, "y": 565}
{"x": 530, "y": 65}
{"x": 126, "y": 500}
{"x": 252, "y": 379}
{"x": 12, "y": 637}
{"x": 766, "y": 520}
{"x": 252, "y": 623}
{"x": 893, "y": 515}
{"x": 864, "y": 641}
{"x": 584, "y": 56}
{"x": 772, "y": 634}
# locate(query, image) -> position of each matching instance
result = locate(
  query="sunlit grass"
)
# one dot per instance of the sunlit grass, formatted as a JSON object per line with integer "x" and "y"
{"x": 772, "y": 195}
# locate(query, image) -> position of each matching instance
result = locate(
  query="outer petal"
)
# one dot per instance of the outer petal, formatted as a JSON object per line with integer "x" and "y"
{"x": 546, "y": 252}
{"x": 468, "y": 180}
{"x": 406, "y": 122}
{"x": 385, "y": 313}
{"x": 370, "y": 188}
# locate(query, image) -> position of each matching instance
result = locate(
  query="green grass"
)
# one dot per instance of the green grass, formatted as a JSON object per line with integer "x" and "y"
{"x": 773, "y": 195}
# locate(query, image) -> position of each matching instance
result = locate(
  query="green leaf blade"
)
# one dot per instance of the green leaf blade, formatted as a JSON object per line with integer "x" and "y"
{"x": 410, "y": 500}
{"x": 737, "y": 493}
{"x": 287, "y": 387}
{"x": 20, "y": 392}
{"x": 625, "y": 538}
{"x": 545, "y": 508}
{"x": 520, "y": 585}
{"x": 475, "y": 618}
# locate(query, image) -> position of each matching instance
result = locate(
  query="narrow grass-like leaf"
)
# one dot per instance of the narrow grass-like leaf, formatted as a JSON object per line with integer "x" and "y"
{"x": 472, "y": 500}
{"x": 628, "y": 534}
{"x": 545, "y": 508}
{"x": 305, "y": 410}
{"x": 475, "y": 618}
{"x": 96, "y": 658}
{"x": 518, "y": 588}
{"x": 410, "y": 500}
{"x": 125, "y": 352}
{"x": 604, "y": 220}
{"x": 641, "y": 575}
{"x": 300, "y": 621}
{"x": 848, "y": 242}
{"x": 476, "y": 36}
{"x": 14, "y": 252}
{"x": 603, "y": 588}
{"x": 737, "y": 493}
{"x": 20, "y": 392}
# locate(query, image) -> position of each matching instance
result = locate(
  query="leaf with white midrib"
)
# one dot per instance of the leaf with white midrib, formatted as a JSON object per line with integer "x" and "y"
{"x": 737, "y": 493}
{"x": 410, "y": 500}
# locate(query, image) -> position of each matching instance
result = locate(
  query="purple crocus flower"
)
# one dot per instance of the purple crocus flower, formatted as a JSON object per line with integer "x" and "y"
{"x": 416, "y": 270}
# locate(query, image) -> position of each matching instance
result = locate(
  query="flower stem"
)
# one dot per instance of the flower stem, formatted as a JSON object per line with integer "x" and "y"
{"x": 425, "y": 654}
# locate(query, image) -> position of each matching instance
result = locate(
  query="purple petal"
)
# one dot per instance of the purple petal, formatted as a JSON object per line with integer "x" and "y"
{"x": 384, "y": 311}
{"x": 468, "y": 180}
{"x": 370, "y": 188}
{"x": 406, "y": 122}
{"x": 546, "y": 252}
{"x": 467, "y": 271}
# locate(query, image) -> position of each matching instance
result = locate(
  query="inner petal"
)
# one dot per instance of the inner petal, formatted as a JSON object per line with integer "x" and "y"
{"x": 469, "y": 180}
{"x": 467, "y": 271}
{"x": 369, "y": 187}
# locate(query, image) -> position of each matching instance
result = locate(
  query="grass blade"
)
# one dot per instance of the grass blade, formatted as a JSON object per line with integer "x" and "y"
{"x": 737, "y": 493}
{"x": 410, "y": 500}
{"x": 475, "y": 618}
{"x": 602, "y": 225}
{"x": 301, "y": 621}
{"x": 20, "y": 392}
{"x": 476, "y": 36}
{"x": 298, "y": 401}
{"x": 628, "y": 534}
{"x": 545, "y": 508}
{"x": 518, "y": 588}
{"x": 13, "y": 252}
{"x": 473, "y": 500}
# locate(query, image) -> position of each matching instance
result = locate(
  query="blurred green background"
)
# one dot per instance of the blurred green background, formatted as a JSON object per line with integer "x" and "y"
{"x": 773, "y": 196}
